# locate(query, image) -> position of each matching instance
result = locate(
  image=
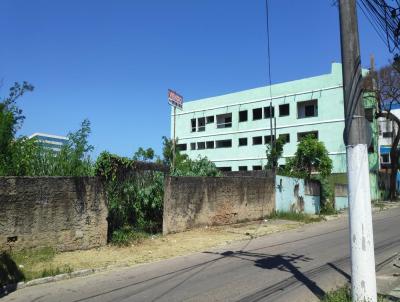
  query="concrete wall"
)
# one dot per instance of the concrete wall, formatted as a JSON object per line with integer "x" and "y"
{"x": 198, "y": 201}
{"x": 297, "y": 195}
{"x": 341, "y": 197}
{"x": 62, "y": 212}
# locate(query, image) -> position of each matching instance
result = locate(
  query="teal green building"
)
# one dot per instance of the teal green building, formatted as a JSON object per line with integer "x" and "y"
{"x": 232, "y": 130}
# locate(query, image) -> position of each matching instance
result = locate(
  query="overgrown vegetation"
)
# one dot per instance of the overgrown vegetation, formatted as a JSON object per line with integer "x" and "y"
{"x": 127, "y": 235}
{"x": 135, "y": 195}
{"x": 311, "y": 156}
{"x": 21, "y": 156}
{"x": 295, "y": 216}
{"x": 274, "y": 152}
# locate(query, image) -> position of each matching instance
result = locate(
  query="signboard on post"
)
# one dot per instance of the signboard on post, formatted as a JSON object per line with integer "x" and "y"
{"x": 175, "y": 99}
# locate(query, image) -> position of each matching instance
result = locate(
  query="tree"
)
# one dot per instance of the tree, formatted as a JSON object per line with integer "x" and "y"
{"x": 143, "y": 154}
{"x": 11, "y": 119}
{"x": 274, "y": 153}
{"x": 74, "y": 157}
{"x": 168, "y": 153}
{"x": 184, "y": 166}
{"x": 385, "y": 84}
{"x": 311, "y": 156}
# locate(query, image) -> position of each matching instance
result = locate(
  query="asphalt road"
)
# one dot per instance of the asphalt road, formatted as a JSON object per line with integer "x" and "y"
{"x": 298, "y": 265}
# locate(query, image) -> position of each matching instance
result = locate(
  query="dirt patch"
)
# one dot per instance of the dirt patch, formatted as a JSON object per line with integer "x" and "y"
{"x": 162, "y": 247}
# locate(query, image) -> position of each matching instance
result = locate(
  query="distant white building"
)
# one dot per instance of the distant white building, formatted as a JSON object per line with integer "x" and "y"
{"x": 387, "y": 132}
{"x": 50, "y": 141}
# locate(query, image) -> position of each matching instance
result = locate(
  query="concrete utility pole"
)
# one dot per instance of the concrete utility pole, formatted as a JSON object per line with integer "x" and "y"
{"x": 363, "y": 280}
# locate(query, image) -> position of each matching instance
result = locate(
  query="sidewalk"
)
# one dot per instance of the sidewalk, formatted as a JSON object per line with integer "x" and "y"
{"x": 388, "y": 279}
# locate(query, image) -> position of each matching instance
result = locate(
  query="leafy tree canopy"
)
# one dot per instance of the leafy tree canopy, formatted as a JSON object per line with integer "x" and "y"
{"x": 311, "y": 156}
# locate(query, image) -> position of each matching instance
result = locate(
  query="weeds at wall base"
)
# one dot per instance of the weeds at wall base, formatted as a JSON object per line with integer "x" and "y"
{"x": 306, "y": 218}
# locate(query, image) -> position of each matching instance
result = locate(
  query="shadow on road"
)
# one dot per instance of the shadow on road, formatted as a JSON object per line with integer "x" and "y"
{"x": 285, "y": 263}
{"x": 10, "y": 274}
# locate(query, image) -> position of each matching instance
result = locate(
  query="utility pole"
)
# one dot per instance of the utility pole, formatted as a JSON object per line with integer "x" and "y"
{"x": 363, "y": 280}
{"x": 174, "y": 143}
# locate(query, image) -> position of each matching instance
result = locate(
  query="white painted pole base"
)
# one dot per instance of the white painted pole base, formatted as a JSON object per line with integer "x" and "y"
{"x": 360, "y": 219}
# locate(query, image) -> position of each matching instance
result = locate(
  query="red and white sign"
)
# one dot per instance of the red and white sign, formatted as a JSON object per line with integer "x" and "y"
{"x": 175, "y": 99}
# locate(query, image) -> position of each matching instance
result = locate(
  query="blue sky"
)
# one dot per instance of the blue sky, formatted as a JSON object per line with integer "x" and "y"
{"x": 113, "y": 61}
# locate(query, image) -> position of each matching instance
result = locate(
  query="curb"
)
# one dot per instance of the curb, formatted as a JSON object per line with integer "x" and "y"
{"x": 8, "y": 288}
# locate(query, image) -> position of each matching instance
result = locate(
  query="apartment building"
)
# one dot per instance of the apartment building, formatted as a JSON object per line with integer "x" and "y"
{"x": 232, "y": 130}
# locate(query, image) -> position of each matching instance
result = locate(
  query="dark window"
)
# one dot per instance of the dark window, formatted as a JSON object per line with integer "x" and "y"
{"x": 257, "y": 168}
{"x": 307, "y": 109}
{"x": 201, "y": 145}
{"x": 243, "y": 141}
{"x": 243, "y": 116}
{"x": 286, "y": 137}
{"x": 192, "y": 146}
{"x": 210, "y": 119}
{"x": 181, "y": 147}
{"x": 369, "y": 114}
{"x": 310, "y": 110}
{"x": 385, "y": 158}
{"x": 242, "y": 168}
{"x": 301, "y": 135}
{"x": 387, "y": 134}
{"x": 257, "y": 114}
{"x": 268, "y": 113}
{"x": 224, "y": 120}
{"x": 284, "y": 110}
{"x": 193, "y": 120}
{"x": 225, "y": 169}
{"x": 227, "y": 143}
{"x": 257, "y": 140}
{"x": 210, "y": 145}
{"x": 201, "y": 124}
{"x": 267, "y": 139}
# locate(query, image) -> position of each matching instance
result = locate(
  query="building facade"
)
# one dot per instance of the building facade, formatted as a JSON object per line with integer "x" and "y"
{"x": 50, "y": 141}
{"x": 387, "y": 133}
{"x": 232, "y": 130}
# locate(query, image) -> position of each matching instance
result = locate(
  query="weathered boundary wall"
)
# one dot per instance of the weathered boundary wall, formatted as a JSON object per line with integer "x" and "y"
{"x": 66, "y": 213}
{"x": 198, "y": 201}
{"x": 297, "y": 195}
{"x": 341, "y": 197}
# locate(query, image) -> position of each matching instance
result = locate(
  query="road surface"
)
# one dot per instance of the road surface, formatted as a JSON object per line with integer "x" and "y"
{"x": 298, "y": 265}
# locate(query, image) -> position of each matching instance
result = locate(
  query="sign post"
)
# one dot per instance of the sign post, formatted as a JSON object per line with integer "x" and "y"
{"x": 175, "y": 100}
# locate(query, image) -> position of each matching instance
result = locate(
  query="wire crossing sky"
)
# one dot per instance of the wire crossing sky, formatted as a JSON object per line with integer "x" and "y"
{"x": 113, "y": 61}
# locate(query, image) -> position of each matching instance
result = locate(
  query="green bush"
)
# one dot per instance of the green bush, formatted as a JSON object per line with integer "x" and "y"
{"x": 327, "y": 196}
{"x": 126, "y": 236}
{"x": 135, "y": 197}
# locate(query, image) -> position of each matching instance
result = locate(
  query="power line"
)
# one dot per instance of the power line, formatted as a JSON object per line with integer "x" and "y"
{"x": 385, "y": 19}
{"x": 372, "y": 24}
{"x": 268, "y": 47}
